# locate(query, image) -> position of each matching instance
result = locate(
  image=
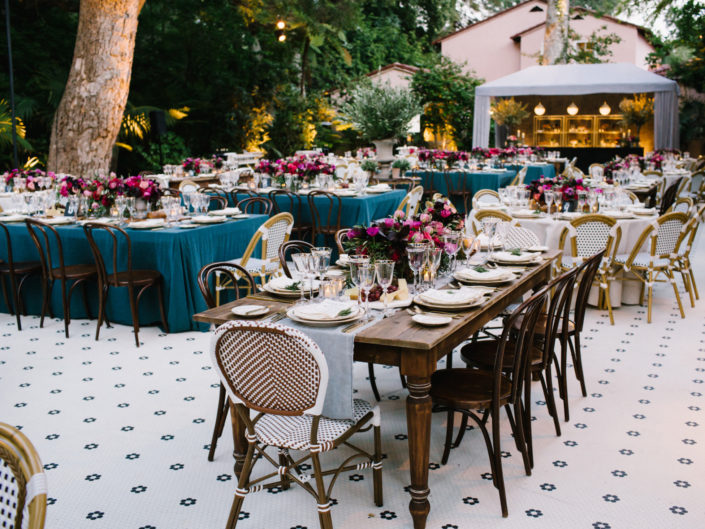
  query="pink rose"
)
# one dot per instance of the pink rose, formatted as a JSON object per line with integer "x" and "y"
{"x": 425, "y": 217}
{"x": 428, "y": 229}
{"x": 445, "y": 213}
{"x": 372, "y": 231}
{"x": 388, "y": 222}
{"x": 399, "y": 214}
{"x": 144, "y": 184}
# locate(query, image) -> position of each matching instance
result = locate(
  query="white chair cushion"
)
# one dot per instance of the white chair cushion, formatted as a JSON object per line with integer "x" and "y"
{"x": 295, "y": 432}
{"x": 255, "y": 265}
{"x": 642, "y": 260}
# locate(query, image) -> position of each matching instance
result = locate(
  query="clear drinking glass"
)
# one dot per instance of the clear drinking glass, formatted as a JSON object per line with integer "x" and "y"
{"x": 132, "y": 206}
{"x": 434, "y": 256}
{"x": 366, "y": 278}
{"x": 302, "y": 262}
{"x": 416, "y": 253}
{"x": 321, "y": 255}
{"x": 582, "y": 201}
{"x": 469, "y": 245}
{"x": 451, "y": 245}
{"x": 489, "y": 228}
{"x": 187, "y": 202}
{"x": 548, "y": 198}
{"x": 384, "y": 270}
{"x": 558, "y": 199}
{"x": 354, "y": 261}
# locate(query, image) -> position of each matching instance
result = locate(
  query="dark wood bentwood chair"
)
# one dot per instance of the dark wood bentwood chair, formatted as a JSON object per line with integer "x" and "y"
{"x": 459, "y": 190}
{"x": 669, "y": 197}
{"x": 217, "y": 202}
{"x": 207, "y": 282}
{"x": 490, "y": 390}
{"x": 77, "y": 274}
{"x": 325, "y": 215}
{"x": 256, "y": 205}
{"x": 128, "y": 277}
{"x": 551, "y": 324}
{"x": 288, "y": 401}
{"x": 17, "y": 272}
{"x": 290, "y": 247}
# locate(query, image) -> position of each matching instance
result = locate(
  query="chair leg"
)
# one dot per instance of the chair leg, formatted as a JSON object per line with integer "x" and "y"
{"x": 526, "y": 418}
{"x": 373, "y": 382}
{"x": 497, "y": 473}
{"x": 688, "y": 289}
{"x": 65, "y": 306}
{"x": 547, "y": 387}
{"x": 102, "y": 298}
{"x": 218, "y": 420}
{"x": 4, "y": 295}
{"x": 650, "y": 295}
{"x": 518, "y": 431}
{"x": 608, "y": 301}
{"x": 47, "y": 287}
{"x": 135, "y": 315}
{"x": 16, "y": 300}
{"x": 162, "y": 312}
{"x": 578, "y": 361}
{"x": 86, "y": 303}
{"x": 692, "y": 282}
{"x": 324, "y": 517}
{"x": 672, "y": 279}
{"x": 377, "y": 468}
{"x": 449, "y": 436}
{"x": 242, "y": 485}
{"x": 403, "y": 380}
{"x": 461, "y": 431}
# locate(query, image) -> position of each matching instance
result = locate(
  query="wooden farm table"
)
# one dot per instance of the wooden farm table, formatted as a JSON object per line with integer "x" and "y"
{"x": 398, "y": 341}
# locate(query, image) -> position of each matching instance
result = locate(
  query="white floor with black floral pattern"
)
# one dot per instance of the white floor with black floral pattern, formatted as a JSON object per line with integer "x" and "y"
{"x": 123, "y": 434}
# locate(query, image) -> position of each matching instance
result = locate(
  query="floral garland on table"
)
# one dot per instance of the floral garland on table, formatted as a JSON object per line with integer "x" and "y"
{"x": 481, "y": 153}
{"x": 442, "y": 159}
{"x": 30, "y": 176}
{"x": 618, "y": 163}
{"x": 196, "y": 165}
{"x": 366, "y": 152}
{"x": 101, "y": 192}
{"x": 305, "y": 167}
{"x": 140, "y": 187}
{"x": 217, "y": 162}
{"x": 568, "y": 187}
{"x": 388, "y": 238}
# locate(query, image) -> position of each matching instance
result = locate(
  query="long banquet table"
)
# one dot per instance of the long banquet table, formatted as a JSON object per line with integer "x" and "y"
{"x": 177, "y": 253}
{"x": 397, "y": 341}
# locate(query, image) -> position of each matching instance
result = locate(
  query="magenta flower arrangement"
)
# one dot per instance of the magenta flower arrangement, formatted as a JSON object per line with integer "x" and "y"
{"x": 304, "y": 167}
{"x": 30, "y": 176}
{"x": 195, "y": 164}
{"x": 366, "y": 152}
{"x": 141, "y": 187}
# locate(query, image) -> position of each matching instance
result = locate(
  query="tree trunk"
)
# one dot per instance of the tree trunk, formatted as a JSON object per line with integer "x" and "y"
{"x": 556, "y": 37}
{"x": 87, "y": 121}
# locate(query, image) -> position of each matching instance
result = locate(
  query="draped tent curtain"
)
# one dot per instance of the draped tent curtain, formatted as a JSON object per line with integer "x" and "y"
{"x": 581, "y": 79}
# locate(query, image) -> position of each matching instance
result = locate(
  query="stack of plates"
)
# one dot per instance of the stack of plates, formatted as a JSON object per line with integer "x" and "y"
{"x": 326, "y": 313}
{"x": 13, "y": 217}
{"x": 278, "y": 287}
{"x": 570, "y": 215}
{"x": 379, "y": 188}
{"x": 644, "y": 211}
{"x": 528, "y": 214}
{"x": 58, "y": 220}
{"x": 451, "y": 299}
{"x": 225, "y": 212}
{"x": 619, "y": 214}
{"x": 490, "y": 276}
{"x": 207, "y": 219}
{"x": 522, "y": 258}
{"x": 148, "y": 224}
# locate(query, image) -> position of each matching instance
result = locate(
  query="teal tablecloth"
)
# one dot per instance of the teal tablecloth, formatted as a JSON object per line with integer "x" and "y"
{"x": 536, "y": 171}
{"x": 473, "y": 181}
{"x": 177, "y": 253}
{"x": 356, "y": 210}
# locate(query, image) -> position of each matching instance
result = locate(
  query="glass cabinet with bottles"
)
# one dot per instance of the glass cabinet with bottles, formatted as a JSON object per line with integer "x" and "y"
{"x": 548, "y": 131}
{"x": 577, "y": 131}
{"x": 608, "y": 131}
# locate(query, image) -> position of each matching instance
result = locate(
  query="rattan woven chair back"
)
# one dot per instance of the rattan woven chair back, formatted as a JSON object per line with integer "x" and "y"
{"x": 340, "y": 236}
{"x": 653, "y": 172}
{"x": 270, "y": 236}
{"x": 480, "y": 214}
{"x": 684, "y": 186}
{"x": 682, "y": 205}
{"x": 23, "y": 487}
{"x": 590, "y": 234}
{"x": 520, "y": 176}
{"x": 234, "y": 272}
{"x": 292, "y": 247}
{"x": 411, "y": 202}
{"x": 256, "y": 205}
{"x": 188, "y": 186}
{"x": 292, "y": 382}
{"x": 486, "y": 197}
{"x": 631, "y": 195}
{"x": 521, "y": 238}
{"x": 669, "y": 197}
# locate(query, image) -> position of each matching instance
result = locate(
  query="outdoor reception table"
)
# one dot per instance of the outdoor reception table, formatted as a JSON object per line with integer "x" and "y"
{"x": 397, "y": 341}
{"x": 355, "y": 209}
{"x": 177, "y": 253}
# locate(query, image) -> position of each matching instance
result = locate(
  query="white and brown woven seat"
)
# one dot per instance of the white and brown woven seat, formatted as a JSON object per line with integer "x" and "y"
{"x": 281, "y": 375}
{"x": 23, "y": 487}
{"x": 411, "y": 202}
{"x": 522, "y": 238}
{"x": 589, "y": 235}
{"x": 477, "y": 216}
{"x": 665, "y": 236}
{"x": 486, "y": 198}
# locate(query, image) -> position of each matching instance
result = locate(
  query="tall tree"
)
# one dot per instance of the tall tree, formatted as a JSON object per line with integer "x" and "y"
{"x": 88, "y": 118}
{"x": 555, "y": 39}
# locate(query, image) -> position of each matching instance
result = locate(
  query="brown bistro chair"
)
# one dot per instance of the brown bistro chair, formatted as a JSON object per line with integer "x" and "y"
{"x": 208, "y": 283}
{"x": 292, "y": 247}
{"x": 491, "y": 389}
{"x": 326, "y": 218}
{"x": 17, "y": 272}
{"x": 301, "y": 229}
{"x": 23, "y": 485}
{"x": 255, "y": 205}
{"x": 77, "y": 274}
{"x": 116, "y": 278}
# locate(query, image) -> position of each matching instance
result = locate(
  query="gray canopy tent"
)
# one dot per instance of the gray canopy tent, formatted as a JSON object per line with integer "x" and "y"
{"x": 580, "y": 79}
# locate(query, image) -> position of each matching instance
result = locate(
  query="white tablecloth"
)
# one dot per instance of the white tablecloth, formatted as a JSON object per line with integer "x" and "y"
{"x": 549, "y": 233}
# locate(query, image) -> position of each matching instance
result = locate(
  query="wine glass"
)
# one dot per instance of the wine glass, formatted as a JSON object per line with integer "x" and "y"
{"x": 592, "y": 201}
{"x": 489, "y": 228}
{"x": 302, "y": 262}
{"x": 582, "y": 201}
{"x": 469, "y": 243}
{"x": 384, "y": 270}
{"x": 433, "y": 260}
{"x": 548, "y": 198}
{"x": 132, "y": 207}
{"x": 187, "y": 202}
{"x": 558, "y": 199}
{"x": 352, "y": 263}
{"x": 416, "y": 253}
{"x": 365, "y": 273}
{"x": 451, "y": 245}
{"x": 120, "y": 205}
{"x": 322, "y": 258}
{"x": 502, "y": 229}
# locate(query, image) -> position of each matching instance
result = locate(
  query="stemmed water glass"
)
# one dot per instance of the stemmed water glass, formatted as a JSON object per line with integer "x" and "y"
{"x": 548, "y": 198}
{"x": 384, "y": 270}
{"x": 187, "y": 202}
{"x": 451, "y": 245}
{"x": 469, "y": 243}
{"x": 433, "y": 261}
{"x": 416, "y": 253}
{"x": 365, "y": 273}
{"x": 592, "y": 201}
{"x": 321, "y": 255}
{"x": 502, "y": 230}
{"x": 305, "y": 269}
{"x": 132, "y": 207}
{"x": 582, "y": 201}
{"x": 353, "y": 262}
{"x": 489, "y": 228}
{"x": 558, "y": 199}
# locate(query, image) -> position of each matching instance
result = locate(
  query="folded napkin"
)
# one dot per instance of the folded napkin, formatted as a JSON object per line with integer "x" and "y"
{"x": 460, "y": 296}
{"x": 13, "y": 218}
{"x": 527, "y": 213}
{"x": 207, "y": 219}
{"x": 643, "y": 211}
{"x": 59, "y": 220}
{"x": 325, "y": 310}
{"x": 149, "y": 223}
{"x": 281, "y": 283}
{"x": 491, "y": 274}
{"x": 225, "y": 212}
{"x": 380, "y": 187}
{"x": 524, "y": 257}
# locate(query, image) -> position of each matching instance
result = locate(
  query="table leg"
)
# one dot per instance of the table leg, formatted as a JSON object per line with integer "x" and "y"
{"x": 418, "y": 421}
{"x": 239, "y": 440}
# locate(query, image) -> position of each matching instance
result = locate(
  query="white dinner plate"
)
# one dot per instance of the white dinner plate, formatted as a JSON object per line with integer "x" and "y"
{"x": 430, "y": 320}
{"x": 207, "y": 219}
{"x": 241, "y": 216}
{"x": 450, "y": 308}
{"x": 250, "y": 311}
{"x": 291, "y": 314}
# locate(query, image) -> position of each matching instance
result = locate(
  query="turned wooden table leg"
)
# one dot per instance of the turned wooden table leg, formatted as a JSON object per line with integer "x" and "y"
{"x": 239, "y": 440}
{"x": 418, "y": 421}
